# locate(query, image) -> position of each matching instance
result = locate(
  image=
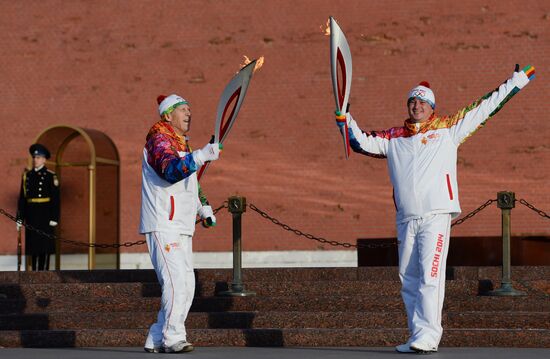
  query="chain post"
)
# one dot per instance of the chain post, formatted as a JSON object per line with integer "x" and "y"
{"x": 506, "y": 201}
{"x": 19, "y": 252}
{"x": 237, "y": 206}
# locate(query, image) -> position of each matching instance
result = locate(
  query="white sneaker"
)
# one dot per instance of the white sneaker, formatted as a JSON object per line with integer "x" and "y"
{"x": 179, "y": 347}
{"x": 155, "y": 349}
{"x": 404, "y": 348}
{"x": 423, "y": 348}
{"x": 150, "y": 345}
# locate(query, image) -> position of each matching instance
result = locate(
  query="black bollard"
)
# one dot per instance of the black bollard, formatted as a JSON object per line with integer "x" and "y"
{"x": 19, "y": 253}
{"x": 237, "y": 206}
{"x": 506, "y": 201}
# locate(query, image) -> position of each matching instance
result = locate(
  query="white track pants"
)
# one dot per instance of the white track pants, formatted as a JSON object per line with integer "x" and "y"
{"x": 423, "y": 247}
{"x": 172, "y": 258}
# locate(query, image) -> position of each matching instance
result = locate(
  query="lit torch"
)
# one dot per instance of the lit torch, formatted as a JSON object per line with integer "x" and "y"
{"x": 326, "y": 30}
{"x": 230, "y": 102}
{"x": 259, "y": 62}
{"x": 341, "y": 71}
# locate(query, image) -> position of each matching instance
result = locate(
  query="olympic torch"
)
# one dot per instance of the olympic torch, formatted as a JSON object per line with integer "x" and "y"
{"x": 341, "y": 71}
{"x": 230, "y": 103}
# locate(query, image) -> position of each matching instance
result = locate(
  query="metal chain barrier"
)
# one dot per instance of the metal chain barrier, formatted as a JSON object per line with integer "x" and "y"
{"x": 82, "y": 244}
{"x": 530, "y": 206}
{"x": 278, "y": 223}
{"x": 473, "y": 213}
{"x": 286, "y": 227}
{"x": 297, "y": 232}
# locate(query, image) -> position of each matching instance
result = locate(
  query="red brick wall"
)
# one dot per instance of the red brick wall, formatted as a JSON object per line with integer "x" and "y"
{"x": 102, "y": 64}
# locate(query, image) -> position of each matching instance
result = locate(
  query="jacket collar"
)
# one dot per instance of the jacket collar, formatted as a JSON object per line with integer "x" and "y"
{"x": 413, "y": 128}
{"x": 164, "y": 128}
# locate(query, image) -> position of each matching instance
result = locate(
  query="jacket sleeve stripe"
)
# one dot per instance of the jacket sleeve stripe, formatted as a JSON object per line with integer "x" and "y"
{"x": 471, "y": 118}
{"x": 373, "y": 144}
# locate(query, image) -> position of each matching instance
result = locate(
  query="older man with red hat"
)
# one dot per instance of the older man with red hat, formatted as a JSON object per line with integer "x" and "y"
{"x": 171, "y": 200}
{"x": 422, "y": 157}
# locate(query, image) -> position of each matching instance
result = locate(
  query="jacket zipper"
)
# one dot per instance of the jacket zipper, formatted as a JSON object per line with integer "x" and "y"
{"x": 172, "y": 208}
{"x": 449, "y": 187}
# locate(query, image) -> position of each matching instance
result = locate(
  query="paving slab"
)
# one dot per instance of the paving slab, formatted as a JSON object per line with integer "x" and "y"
{"x": 275, "y": 353}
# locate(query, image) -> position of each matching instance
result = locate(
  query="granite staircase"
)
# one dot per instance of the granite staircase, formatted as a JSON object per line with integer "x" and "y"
{"x": 293, "y": 307}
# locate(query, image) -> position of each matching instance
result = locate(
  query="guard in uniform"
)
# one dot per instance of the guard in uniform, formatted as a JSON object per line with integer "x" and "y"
{"x": 38, "y": 206}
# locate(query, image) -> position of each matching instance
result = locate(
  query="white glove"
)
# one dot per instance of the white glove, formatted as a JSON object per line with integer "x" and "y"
{"x": 207, "y": 215}
{"x": 18, "y": 225}
{"x": 524, "y": 76}
{"x": 210, "y": 152}
{"x": 53, "y": 223}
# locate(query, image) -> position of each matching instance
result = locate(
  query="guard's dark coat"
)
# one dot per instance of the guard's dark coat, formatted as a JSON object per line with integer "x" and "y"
{"x": 35, "y": 209}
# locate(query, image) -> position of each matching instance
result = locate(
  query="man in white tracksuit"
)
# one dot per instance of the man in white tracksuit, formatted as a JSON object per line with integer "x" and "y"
{"x": 171, "y": 198}
{"x": 422, "y": 157}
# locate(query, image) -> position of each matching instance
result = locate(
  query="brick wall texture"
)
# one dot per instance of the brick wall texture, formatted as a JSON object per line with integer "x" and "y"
{"x": 101, "y": 65}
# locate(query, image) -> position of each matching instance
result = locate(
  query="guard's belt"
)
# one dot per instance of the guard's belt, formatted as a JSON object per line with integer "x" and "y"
{"x": 38, "y": 200}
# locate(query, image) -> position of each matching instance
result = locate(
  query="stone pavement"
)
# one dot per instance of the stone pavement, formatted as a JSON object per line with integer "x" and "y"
{"x": 275, "y": 353}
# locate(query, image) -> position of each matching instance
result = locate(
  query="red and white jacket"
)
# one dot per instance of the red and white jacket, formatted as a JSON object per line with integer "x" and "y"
{"x": 422, "y": 157}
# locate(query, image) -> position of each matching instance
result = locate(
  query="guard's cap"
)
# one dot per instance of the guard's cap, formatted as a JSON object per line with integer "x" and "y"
{"x": 39, "y": 150}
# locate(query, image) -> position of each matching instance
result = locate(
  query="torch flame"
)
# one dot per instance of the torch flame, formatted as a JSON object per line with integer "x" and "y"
{"x": 326, "y": 30}
{"x": 259, "y": 63}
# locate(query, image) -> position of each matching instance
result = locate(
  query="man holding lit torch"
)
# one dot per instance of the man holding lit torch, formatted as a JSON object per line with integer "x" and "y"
{"x": 422, "y": 156}
{"x": 171, "y": 199}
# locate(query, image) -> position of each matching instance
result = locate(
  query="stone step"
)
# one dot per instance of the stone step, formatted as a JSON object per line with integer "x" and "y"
{"x": 246, "y": 320}
{"x": 270, "y": 288}
{"x": 303, "y": 288}
{"x": 294, "y": 307}
{"x": 258, "y": 303}
{"x": 79, "y": 276}
{"x": 473, "y": 337}
{"x": 269, "y": 274}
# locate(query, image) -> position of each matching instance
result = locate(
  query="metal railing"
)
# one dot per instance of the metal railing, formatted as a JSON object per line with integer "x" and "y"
{"x": 237, "y": 206}
{"x": 59, "y": 239}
